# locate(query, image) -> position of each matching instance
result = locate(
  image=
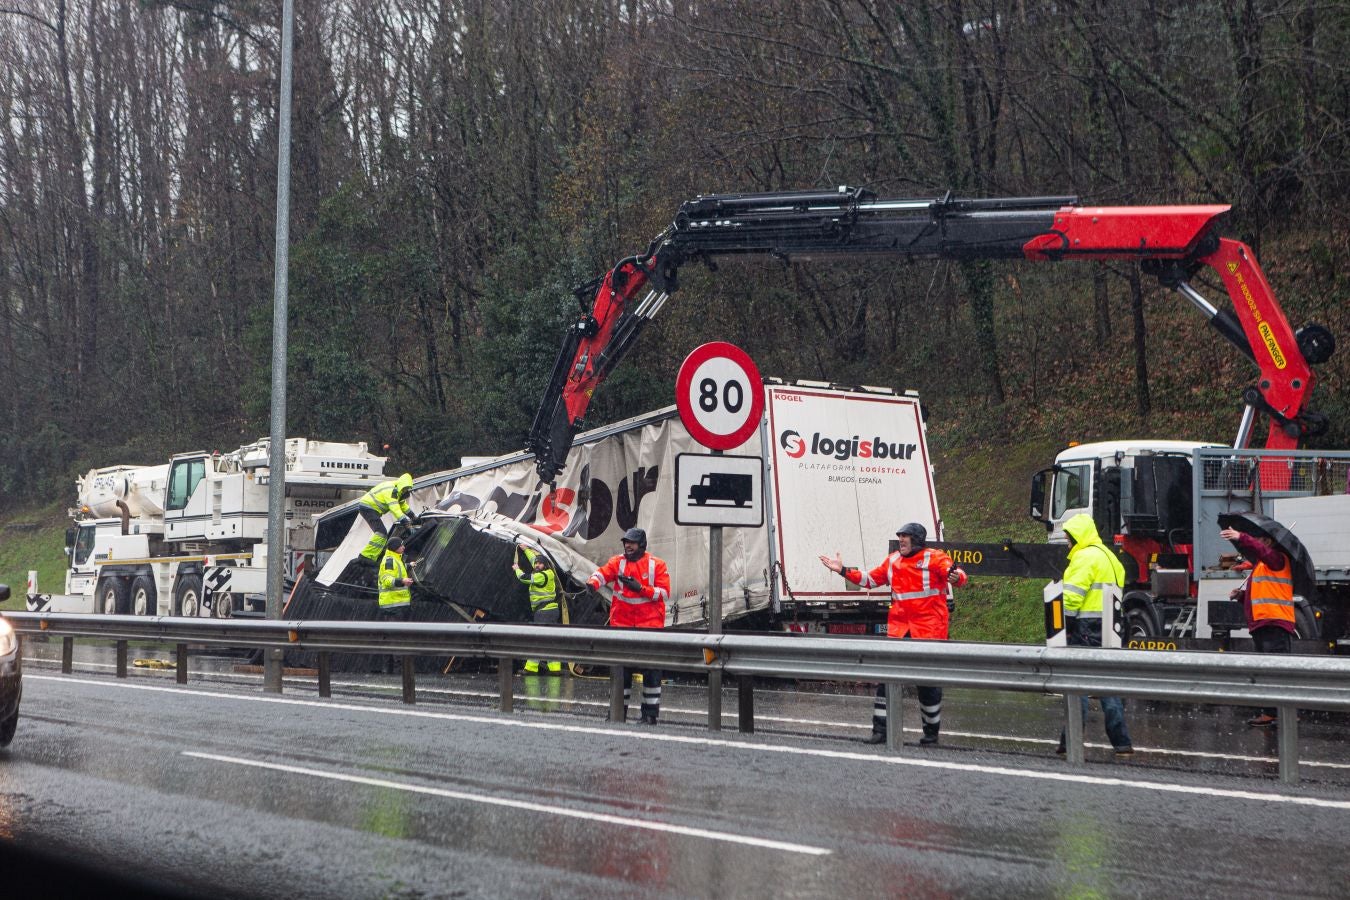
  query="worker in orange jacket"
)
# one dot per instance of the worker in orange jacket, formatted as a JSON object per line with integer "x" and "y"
{"x": 918, "y": 577}
{"x": 1268, "y": 599}
{"x": 641, "y": 586}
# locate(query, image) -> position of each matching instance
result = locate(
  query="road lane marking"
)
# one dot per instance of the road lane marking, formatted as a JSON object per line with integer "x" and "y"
{"x": 760, "y": 717}
{"x": 1067, "y": 777}
{"x": 526, "y": 805}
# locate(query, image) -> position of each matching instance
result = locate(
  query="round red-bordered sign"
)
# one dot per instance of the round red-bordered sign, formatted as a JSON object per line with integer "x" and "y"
{"x": 720, "y": 395}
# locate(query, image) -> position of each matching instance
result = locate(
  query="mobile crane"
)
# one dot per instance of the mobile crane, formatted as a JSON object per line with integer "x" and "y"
{"x": 1172, "y": 243}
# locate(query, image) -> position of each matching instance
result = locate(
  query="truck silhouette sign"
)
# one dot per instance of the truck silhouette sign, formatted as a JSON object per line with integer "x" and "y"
{"x": 722, "y": 488}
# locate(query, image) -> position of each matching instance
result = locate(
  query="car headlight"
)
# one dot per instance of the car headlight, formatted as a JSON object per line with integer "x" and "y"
{"x": 8, "y": 640}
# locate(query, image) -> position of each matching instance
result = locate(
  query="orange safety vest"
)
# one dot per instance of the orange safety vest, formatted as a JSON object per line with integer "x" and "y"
{"x": 1272, "y": 593}
{"x": 918, "y": 586}
{"x": 632, "y": 609}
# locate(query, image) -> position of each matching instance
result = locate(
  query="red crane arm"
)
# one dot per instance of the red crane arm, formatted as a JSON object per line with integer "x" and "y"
{"x": 1171, "y": 242}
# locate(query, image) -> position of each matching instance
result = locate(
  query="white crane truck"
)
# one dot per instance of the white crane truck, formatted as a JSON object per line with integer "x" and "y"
{"x": 190, "y": 537}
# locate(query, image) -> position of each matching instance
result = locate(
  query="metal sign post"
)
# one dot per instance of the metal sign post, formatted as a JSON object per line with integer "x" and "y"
{"x": 720, "y": 395}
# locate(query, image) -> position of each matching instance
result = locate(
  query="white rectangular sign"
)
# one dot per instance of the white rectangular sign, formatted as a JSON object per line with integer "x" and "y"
{"x": 848, "y": 470}
{"x": 715, "y": 489}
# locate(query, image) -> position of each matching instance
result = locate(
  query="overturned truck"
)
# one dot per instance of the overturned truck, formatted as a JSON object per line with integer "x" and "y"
{"x": 842, "y": 468}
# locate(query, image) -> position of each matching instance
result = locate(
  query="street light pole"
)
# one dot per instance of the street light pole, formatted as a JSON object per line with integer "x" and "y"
{"x": 276, "y": 461}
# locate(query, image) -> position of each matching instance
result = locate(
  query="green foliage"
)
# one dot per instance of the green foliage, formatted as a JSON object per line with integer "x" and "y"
{"x": 33, "y": 537}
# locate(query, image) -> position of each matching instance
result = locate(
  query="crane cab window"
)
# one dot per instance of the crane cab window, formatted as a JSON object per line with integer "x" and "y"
{"x": 183, "y": 480}
{"x": 84, "y": 545}
{"x": 1072, "y": 490}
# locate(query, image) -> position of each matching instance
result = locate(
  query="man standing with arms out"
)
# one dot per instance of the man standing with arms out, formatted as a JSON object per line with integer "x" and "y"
{"x": 543, "y": 587}
{"x": 918, "y": 579}
{"x": 385, "y": 497}
{"x": 1268, "y": 598}
{"x": 641, "y": 586}
{"x": 395, "y": 598}
{"x": 1092, "y": 566}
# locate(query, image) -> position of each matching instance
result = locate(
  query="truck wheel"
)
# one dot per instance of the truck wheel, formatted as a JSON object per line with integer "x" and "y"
{"x": 143, "y": 601}
{"x": 222, "y": 606}
{"x": 7, "y": 728}
{"x": 1139, "y": 625}
{"x": 1305, "y": 624}
{"x": 112, "y": 596}
{"x": 187, "y": 596}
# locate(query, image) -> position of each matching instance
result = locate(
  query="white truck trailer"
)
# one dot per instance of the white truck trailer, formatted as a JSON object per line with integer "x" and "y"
{"x": 843, "y": 468}
{"x": 190, "y": 537}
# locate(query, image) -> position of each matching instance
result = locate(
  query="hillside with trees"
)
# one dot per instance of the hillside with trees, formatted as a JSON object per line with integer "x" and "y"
{"x": 460, "y": 165}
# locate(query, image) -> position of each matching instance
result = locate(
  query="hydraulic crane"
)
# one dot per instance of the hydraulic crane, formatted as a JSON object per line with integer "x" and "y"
{"x": 1172, "y": 243}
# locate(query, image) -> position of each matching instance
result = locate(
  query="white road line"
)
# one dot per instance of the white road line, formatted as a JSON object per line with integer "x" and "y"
{"x": 525, "y": 805}
{"x": 688, "y": 740}
{"x": 784, "y": 720}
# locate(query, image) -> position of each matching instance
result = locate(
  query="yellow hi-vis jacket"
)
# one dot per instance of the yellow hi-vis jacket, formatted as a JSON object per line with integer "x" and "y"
{"x": 1092, "y": 566}
{"x": 543, "y": 585}
{"x": 392, "y": 572}
{"x": 390, "y": 496}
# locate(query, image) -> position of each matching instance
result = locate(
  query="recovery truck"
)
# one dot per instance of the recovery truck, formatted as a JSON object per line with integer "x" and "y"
{"x": 1161, "y": 500}
{"x": 190, "y": 537}
{"x": 843, "y": 466}
{"x": 1171, "y": 243}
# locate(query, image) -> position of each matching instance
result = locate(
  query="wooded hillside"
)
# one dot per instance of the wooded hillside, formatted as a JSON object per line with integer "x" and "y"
{"x": 460, "y": 165}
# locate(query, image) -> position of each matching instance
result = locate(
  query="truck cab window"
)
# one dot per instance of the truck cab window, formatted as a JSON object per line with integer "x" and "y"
{"x": 183, "y": 481}
{"x": 1071, "y": 490}
{"x": 84, "y": 545}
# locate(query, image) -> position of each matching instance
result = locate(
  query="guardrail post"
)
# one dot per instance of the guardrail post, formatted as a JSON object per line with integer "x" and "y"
{"x": 505, "y": 686}
{"x": 409, "y": 682}
{"x": 1073, "y": 729}
{"x": 67, "y": 655}
{"x": 715, "y": 700}
{"x": 325, "y": 679}
{"x": 121, "y": 659}
{"x": 745, "y": 703}
{"x": 617, "y": 709}
{"x": 895, "y": 732}
{"x": 180, "y": 654}
{"x": 1288, "y": 729}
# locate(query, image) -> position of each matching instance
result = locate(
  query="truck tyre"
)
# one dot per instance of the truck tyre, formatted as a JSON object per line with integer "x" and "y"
{"x": 112, "y": 595}
{"x": 187, "y": 596}
{"x": 143, "y": 599}
{"x": 1140, "y": 625}
{"x": 1305, "y": 624}
{"x": 222, "y": 606}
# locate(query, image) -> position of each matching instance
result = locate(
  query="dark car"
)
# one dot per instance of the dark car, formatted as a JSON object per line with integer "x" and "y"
{"x": 11, "y": 677}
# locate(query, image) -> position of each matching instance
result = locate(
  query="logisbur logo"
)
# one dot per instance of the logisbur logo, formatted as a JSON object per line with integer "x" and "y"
{"x": 844, "y": 448}
{"x": 793, "y": 444}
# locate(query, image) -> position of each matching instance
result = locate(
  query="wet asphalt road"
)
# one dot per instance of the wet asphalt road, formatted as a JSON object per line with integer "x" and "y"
{"x": 218, "y": 789}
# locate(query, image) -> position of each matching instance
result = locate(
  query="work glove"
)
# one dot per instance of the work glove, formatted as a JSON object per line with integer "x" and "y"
{"x": 630, "y": 582}
{"x": 405, "y": 520}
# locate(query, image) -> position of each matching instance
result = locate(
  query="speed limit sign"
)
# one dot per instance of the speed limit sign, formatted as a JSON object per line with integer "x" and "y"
{"x": 720, "y": 395}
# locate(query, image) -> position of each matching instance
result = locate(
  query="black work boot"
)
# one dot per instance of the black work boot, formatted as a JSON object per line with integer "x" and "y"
{"x": 930, "y": 736}
{"x": 876, "y": 737}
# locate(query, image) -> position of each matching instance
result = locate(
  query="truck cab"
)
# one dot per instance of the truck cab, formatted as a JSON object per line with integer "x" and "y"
{"x": 1139, "y": 494}
{"x": 1128, "y": 487}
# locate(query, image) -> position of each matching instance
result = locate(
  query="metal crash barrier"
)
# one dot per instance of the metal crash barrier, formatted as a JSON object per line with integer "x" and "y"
{"x": 1289, "y": 683}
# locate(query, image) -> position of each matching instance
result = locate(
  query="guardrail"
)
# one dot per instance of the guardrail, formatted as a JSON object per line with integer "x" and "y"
{"x": 1289, "y": 683}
